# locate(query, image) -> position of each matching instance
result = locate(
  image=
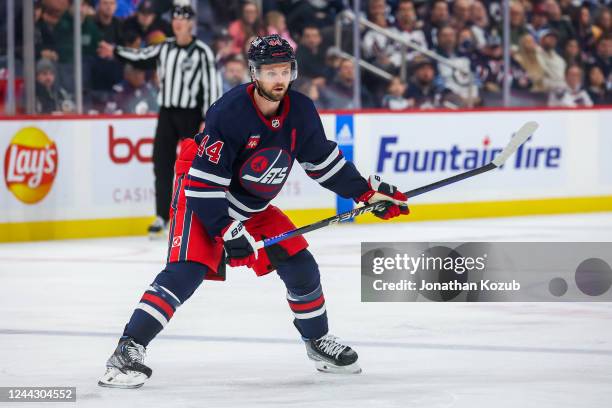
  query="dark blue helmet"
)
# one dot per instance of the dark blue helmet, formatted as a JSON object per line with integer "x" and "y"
{"x": 271, "y": 49}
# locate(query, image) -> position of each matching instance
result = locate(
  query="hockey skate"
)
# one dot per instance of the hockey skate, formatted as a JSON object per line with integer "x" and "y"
{"x": 158, "y": 229}
{"x": 125, "y": 368}
{"x": 331, "y": 356}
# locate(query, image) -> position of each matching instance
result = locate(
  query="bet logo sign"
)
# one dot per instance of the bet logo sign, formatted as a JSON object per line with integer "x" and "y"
{"x": 30, "y": 165}
{"x": 122, "y": 150}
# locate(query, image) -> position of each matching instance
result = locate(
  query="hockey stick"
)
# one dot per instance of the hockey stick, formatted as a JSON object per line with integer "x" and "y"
{"x": 519, "y": 138}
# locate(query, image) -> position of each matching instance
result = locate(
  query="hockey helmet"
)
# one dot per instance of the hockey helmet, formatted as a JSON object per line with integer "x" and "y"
{"x": 182, "y": 9}
{"x": 271, "y": 49}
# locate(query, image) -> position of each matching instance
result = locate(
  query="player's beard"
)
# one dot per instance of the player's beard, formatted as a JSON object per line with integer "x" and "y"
{"x": 272, "y": 96}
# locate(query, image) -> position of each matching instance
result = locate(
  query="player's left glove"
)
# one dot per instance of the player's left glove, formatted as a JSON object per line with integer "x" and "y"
{"x": 381, "y": 191}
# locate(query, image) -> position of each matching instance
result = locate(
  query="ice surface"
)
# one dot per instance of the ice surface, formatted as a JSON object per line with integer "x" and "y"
{"x": 64, "y": 303}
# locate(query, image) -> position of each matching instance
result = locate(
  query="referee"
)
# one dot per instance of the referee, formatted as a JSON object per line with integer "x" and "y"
{"x": 189, "y": 84}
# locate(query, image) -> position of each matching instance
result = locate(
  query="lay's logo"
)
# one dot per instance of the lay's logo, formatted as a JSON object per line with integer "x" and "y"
{"x": 30, "y": 165}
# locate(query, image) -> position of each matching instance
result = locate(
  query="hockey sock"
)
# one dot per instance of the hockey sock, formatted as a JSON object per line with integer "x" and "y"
{"x": 300, "y": 273}
{"x": 172, "y": 287}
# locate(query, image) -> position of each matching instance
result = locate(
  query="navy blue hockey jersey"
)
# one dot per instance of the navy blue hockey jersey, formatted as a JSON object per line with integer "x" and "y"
{"x": 244, "y": 158}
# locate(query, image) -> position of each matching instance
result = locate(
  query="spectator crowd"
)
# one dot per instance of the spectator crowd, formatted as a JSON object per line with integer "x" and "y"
{"x": 560, "y": 51}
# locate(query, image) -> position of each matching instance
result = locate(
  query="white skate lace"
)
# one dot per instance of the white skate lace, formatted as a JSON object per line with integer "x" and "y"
{"x": 136, "y": 352}
{"x": 329, "y": 344}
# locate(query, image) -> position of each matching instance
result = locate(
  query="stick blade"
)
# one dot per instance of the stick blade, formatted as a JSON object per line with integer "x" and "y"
{"x": 519, "y": 138}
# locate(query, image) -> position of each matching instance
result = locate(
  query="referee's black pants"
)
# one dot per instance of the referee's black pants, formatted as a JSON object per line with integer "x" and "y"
{"x": 173, "y": 124}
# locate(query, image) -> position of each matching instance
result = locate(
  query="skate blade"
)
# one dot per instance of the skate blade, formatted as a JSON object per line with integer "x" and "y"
{"x": 122, "y": 386}
{"x": 115, "y": 378}
{"x": 325, "y": 367}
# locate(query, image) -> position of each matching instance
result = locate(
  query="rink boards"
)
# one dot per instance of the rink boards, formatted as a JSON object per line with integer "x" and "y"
{"x": 73, "y": 177}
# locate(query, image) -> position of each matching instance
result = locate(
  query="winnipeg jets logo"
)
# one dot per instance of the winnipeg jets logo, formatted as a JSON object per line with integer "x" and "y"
{"x": 275, "y": 123}
{"x": 276, "y": 175}
{"x": 265, "y": 172}
{"x": 253, "y": 142}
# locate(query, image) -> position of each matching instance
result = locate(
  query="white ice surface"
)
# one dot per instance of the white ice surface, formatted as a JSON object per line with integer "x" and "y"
{"x": 64, "y": 303}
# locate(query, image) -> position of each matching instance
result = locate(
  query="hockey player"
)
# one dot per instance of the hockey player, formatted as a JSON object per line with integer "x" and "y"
{"x": 225, "y": 179}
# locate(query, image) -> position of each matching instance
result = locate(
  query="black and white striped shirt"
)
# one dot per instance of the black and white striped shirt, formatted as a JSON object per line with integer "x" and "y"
{"x": 187, "y": 75}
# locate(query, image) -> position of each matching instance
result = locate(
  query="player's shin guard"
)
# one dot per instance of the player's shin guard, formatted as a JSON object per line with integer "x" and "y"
{"x": 310, "y": 316}
{"x": 172, "y": 287}
{"x": 155, "y": 309}
{"x": 300, "y": 273}
{"x": 305, "y": 297}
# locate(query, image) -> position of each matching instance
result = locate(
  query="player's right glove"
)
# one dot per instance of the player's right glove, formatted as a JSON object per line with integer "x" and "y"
{"x": 381, "y": 191}
{"x": 239, "y": 245}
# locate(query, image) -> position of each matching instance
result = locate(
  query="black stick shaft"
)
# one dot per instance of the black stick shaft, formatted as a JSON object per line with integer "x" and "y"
{"x": 450, "y": 180}
{"x": 378, "y": 205}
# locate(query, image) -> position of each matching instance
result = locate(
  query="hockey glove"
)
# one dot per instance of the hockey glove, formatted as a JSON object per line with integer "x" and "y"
{"x": 239, "y": 245}
{"x": 381, "y": 191}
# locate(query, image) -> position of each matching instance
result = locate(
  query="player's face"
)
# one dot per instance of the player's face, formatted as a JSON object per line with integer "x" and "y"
{"x": 274, "y": 80}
